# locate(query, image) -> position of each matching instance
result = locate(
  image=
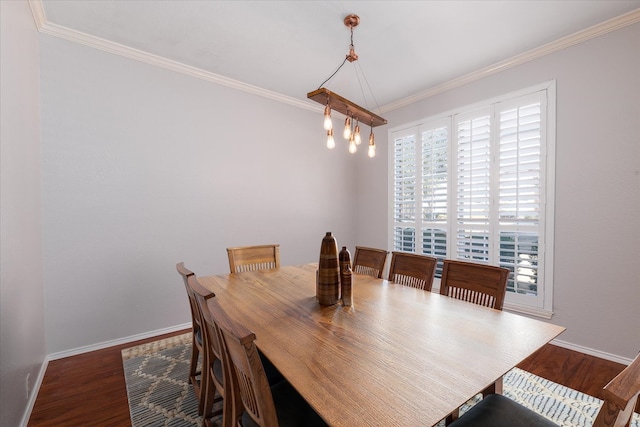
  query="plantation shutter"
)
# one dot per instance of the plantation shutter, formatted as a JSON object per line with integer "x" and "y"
{"x": 520, "y": 204}
{"x": 477, "y": 185}
{"x": 473, "y": 186}
{"x": 435, "y": 147}
{"x": 404, "y": 191}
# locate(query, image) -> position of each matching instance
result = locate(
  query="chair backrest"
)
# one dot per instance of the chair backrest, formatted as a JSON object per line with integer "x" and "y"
{"x": 620, "y": 397}
{"x": 210, "y": 336}
{"x": 184, "y": 271}
{"x": 413, "y": 270}
{"x": 250, "y": 388}
{"x": 477, "y": 283}
{"x": 212, "y": 355}
{"x": 369, "y": 261}
{"x": 198, "y": 346}
{"x": 195, "y": 290}
{"x": 249, "y": 258}
{"x": 195, "y": 315}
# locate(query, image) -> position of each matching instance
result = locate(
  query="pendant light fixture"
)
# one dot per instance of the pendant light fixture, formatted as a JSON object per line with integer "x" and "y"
{"x": 353, "y": 112}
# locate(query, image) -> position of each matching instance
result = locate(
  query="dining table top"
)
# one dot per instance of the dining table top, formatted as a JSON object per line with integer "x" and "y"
{"x": 397, "y": 356}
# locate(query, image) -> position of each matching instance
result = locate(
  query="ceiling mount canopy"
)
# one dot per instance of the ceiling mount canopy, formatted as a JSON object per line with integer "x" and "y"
{"x": 352, "y": 21}
{"x": 354, "y": 113}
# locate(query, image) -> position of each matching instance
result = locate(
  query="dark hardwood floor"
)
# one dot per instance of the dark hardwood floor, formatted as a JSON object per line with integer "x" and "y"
{"x": 89, "y": 389}
{"x": 86, "y": 390}
{"x": 581, "y": 372}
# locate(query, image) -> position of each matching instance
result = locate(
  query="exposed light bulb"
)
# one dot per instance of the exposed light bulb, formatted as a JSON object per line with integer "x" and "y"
{"x": 357, "y": 135}
{"x": 372, "y": 145}
{"x": 347, "y": 128}
{"x": 327, "y": 118}
{"x": 331, "y": 143}
{"x": 352, "y": 145}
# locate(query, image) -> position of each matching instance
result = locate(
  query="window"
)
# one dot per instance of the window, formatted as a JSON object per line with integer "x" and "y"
{"x": 477, "y": 185}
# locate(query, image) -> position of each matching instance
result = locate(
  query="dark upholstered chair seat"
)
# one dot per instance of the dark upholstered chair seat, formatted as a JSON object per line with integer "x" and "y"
{"x": 496, "y": 410}
{"x": 217, "y": 370}
{"x": 620, "y": 396}
{"x": 291, "y": 408}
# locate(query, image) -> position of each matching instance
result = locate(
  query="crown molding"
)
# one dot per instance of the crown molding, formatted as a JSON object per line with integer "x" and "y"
{"x": 597, "y": 30}
{"x": 37, "y": 10}
{"x": 605, "y": 27}
{"x": 65, "y": 33}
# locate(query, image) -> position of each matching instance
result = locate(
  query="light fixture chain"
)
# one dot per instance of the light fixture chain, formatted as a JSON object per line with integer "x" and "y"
{"x": 334, "y": 73}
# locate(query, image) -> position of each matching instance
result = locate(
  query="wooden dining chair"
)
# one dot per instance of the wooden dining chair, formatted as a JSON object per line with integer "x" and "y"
{"x": 412, "y": 270}
{"x": 256, "y": 403}
{"x": 620, "y": 397}
{"x": 250, "y": 258}
{"x": 196, "y": 379}
{"x": 481, "y": 284}
{"x": 369, "y": 261}
{"x": 216, "y": 383}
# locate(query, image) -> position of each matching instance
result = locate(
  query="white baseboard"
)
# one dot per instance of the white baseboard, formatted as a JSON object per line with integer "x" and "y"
{"x": 592, "y": 352}
{"x": 34, "y": 392}
{"x": 86, "y": 349}
{"x": 119, "y": 341}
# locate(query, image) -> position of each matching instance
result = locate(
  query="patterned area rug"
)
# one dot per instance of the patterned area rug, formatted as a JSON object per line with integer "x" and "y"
{"x": 156, "y": 376}
{"x": 159, "y": 394}
{"x": 562, "y": 405}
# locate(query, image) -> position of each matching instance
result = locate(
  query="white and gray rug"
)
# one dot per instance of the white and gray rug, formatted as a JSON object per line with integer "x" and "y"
{"x": 156, "y": 376}
{"x": 159, "y": 394}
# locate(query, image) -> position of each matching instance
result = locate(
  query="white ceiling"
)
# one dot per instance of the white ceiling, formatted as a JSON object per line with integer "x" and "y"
{"x": 291, "y": 47}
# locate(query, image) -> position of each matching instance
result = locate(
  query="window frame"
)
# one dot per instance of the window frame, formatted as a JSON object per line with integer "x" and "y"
{"x": 541, "y": 305}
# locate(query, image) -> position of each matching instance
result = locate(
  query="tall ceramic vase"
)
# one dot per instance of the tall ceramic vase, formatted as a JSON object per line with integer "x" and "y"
{"x": 344, "y": 257}
{"x": 328, "y": 289}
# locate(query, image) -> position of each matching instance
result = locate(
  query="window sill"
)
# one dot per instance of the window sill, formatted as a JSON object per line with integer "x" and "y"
{"x": 531, "y": 311}
{"x": 510, "y": 306}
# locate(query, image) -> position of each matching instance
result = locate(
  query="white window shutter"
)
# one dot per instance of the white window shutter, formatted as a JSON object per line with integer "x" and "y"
{"x": 472, "y": 185}
{"x": 405, "y": 168}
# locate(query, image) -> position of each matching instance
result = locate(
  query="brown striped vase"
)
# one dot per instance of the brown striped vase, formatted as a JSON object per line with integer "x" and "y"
{"x": 328, "y": 288}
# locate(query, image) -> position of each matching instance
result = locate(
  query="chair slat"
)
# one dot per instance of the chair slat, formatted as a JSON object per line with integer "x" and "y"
{"x": 369, "y": 261}
{"x": 412, "y": 270}
{"x": 252, "y": 258}
{"x": 481, "y": 284}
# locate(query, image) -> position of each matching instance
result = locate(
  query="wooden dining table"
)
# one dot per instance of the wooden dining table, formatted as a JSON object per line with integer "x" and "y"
{"x": 398, "y": 356}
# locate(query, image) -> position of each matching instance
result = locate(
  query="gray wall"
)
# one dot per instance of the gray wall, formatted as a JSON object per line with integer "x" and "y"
{"x": 597, "y": 268}
{"x": 144, "y": 167}
{"x": 22, "y": 335}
